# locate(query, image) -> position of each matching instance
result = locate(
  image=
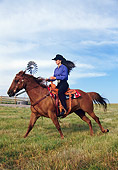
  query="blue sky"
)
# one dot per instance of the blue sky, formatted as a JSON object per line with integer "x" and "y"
{"x": 85, "y": 32}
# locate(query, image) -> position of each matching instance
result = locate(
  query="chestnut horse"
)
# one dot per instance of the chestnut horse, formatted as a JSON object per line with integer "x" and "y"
{"x": 42, "y": 104}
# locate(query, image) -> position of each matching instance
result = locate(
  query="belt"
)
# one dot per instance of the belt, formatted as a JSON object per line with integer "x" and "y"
{"x": 58, "y": 81}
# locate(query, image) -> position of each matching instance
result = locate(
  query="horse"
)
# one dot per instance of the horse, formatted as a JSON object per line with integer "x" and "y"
{"x": 42, "y": 104}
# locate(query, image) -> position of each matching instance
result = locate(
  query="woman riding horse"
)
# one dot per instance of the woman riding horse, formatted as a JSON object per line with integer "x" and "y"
{"x": 61, "y": 75}
{"x": 42, "y": 104}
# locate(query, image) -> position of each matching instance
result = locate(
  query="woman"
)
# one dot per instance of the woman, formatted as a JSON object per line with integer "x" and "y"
{"x": 61, "y": 75}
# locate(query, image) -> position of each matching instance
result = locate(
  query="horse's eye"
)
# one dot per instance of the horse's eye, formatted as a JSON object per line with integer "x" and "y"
{"x": 16, "y": 81}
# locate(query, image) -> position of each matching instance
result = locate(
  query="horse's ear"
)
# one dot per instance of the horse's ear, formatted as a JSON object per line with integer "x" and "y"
{"x": 21, "y": 73}
{"x": 24, "y": 71}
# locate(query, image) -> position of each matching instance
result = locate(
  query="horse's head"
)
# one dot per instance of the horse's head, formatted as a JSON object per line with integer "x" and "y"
{"x": 17, "y": 84}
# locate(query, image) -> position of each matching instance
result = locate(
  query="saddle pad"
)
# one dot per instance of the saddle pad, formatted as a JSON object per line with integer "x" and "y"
{"x": 73, "y": 96}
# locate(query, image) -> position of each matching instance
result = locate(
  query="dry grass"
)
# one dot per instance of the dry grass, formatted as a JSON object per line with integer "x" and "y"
{"x": 43, "y": 149}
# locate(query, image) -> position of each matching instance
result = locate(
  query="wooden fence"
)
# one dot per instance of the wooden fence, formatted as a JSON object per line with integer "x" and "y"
{"x": 14, "y": 100}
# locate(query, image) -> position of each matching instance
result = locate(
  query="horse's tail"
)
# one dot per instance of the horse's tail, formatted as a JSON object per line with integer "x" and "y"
{"x": 97, "y": 99}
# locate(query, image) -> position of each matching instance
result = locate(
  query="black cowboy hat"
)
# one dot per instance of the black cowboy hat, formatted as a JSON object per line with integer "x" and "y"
{"x": 58, "y": 57}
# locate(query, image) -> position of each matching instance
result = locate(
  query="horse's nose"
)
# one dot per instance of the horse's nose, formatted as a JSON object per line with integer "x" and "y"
{"x": 9, "y": 93}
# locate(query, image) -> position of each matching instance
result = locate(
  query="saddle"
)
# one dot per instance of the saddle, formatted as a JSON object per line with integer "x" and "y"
{"x": 68, "y": 93}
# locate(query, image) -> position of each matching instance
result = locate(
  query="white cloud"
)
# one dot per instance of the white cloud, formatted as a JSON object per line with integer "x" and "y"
{"x": 98, "y": 43}
{"x": 84, "y": 66}
{"x": 73, "y": 79}
{"x": 86, "y": 75}
{"x": 24, "y": 18}
{"x": 15, "y": 47}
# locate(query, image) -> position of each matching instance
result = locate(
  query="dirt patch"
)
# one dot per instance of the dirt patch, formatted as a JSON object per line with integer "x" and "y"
{"x": 15, "y": 105}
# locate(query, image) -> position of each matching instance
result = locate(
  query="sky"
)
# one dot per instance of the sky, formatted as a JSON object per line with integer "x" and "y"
{"x": 85, "y": 32}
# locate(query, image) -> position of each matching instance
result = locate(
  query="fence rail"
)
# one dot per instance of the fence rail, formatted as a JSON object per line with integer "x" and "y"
{"x": 14, "y": 100}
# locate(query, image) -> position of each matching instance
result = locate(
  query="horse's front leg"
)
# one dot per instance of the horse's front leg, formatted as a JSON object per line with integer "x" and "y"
{"x": 33, "y": 119}
{"x": 53, "y": 117}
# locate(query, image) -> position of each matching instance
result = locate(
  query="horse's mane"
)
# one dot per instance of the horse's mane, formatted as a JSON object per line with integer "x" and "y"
{"x": 40, "y": 81}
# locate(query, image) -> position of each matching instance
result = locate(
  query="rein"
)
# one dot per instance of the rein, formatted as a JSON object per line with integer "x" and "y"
{"x": 25, "y": 91}
{"x": 20, "y": 93}
{"x": 39, "y": 99}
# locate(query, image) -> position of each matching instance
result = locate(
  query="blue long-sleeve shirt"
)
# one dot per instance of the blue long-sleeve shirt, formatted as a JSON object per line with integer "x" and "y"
{"x": 61, "y": 73}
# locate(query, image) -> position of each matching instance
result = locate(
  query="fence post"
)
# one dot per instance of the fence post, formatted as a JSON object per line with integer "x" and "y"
{"x": 15, "y": 99}
{"x": 1, "y": 99}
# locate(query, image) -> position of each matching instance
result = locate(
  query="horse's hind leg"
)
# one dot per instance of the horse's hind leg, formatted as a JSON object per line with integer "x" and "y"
{"x": 82, "y": 115}
{"x": 33, "y": 119}
{"x": 98, "y": 122}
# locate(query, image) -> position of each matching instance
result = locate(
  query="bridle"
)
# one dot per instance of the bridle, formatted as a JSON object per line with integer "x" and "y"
{"x": 21, "y": 80}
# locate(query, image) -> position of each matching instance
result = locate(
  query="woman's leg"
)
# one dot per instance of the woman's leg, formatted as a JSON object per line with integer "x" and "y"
{"x": 61, "y": 93}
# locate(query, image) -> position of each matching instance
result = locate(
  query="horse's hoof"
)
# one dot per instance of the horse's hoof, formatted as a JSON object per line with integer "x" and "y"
{"x": 105, "y": 131}
{"x": 62, "y": 137}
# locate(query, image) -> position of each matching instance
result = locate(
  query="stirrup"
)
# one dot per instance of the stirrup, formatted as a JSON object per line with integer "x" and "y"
{"x": 63, "y": 113}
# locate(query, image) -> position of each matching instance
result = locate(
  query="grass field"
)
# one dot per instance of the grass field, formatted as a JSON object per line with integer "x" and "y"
{"x": 43, "y": 149}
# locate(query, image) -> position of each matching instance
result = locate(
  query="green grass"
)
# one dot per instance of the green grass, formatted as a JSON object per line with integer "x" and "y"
{"x": 43, "y": 149}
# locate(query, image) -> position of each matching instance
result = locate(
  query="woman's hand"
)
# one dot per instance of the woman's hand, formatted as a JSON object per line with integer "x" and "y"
{"x": 47, "y": 79}
{"x": 53, "y": 78}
